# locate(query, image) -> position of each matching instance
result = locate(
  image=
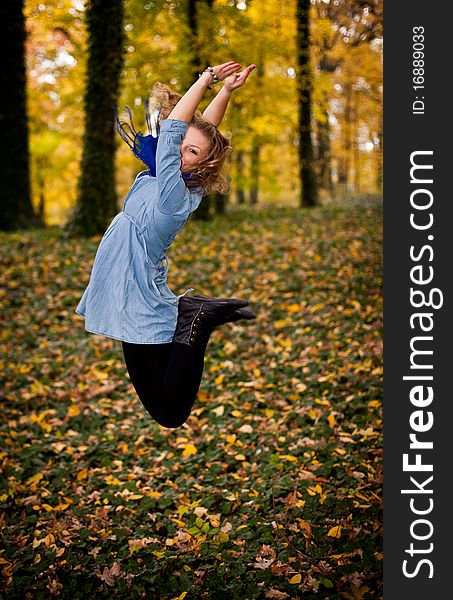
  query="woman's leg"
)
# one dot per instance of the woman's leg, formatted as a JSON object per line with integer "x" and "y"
{"x": 166, "y": 378}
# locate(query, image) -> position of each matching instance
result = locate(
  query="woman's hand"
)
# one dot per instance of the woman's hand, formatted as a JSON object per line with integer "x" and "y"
{"x": 224, "y": 70}
{"x": 238, "y": 79}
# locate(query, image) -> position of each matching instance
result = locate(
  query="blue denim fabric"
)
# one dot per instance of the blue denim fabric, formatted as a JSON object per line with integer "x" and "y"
{"x": 127, "y": 297}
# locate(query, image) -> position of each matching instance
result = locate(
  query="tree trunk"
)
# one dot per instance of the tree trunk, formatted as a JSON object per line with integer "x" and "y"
{"x": 309, "y": 188}
{"x": 97, "y": 201}
{"x": 240, "y": 196}
{"x": 325, "y": 154}
{"x": 17, "y": 209}
{"x": 378, "y": 151}
{"x": 344, "y": 170}
{"x": 257, "y": 140}
{"x": 41, "y": 189}
{"x": 254, "y": 171}
{"x": 220, "y": 202}
{"x": 195, "y": 60}
{"x": 203, "y": 212}
{"x": 355, "y": 141}
{"x": 328, "y": 65}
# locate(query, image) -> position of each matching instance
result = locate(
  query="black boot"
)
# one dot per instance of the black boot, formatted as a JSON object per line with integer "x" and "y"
{"x": 199, "y": 315}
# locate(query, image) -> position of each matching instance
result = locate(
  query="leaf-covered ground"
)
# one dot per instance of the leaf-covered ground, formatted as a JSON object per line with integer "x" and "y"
{"x": 272, "y": 489}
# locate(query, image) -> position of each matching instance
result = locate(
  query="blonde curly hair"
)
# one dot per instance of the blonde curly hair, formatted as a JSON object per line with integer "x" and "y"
{"x": 207, "y": 174}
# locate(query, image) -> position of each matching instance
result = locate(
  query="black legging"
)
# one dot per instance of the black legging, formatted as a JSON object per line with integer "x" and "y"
{"x": 166, "y": 378}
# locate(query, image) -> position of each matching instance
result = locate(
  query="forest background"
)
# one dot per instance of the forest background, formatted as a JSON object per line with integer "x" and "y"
{"x": 169, "y": 42}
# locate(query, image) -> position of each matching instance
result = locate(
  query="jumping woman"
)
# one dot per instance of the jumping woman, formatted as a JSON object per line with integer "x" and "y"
{"x": 163, "y": 336}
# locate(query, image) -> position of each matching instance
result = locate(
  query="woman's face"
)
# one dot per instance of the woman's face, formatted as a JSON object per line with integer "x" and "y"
{"x": 194, "y": 147}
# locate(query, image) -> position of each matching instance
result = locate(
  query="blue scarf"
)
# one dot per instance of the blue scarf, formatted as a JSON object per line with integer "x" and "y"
{"x": 144, "y": 147}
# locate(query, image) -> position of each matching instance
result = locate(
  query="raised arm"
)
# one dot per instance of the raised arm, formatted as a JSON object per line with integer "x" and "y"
{"x": 187, "y": 105}
{"x": 172, "y": 191}
{"x": 216, "y": 109}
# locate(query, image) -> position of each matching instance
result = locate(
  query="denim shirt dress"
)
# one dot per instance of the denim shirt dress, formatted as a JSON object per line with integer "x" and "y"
{"x": 127, "y": 297}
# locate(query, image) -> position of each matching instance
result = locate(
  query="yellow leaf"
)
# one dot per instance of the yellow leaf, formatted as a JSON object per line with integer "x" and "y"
{"x": 179, "y": 522}
{"x": 335, "y": 532}
{"x": 34, "y": 478}
{"x": 236, "y": 413}
{"x": 111, "y": 480}
{"x": 73, "y": 410}
{"x": 361, "y": 496}
{"x": 296, "y": 579}
{"x": 317, "y": 307}
{"x": 135, "y": 497}
{"x": 189, "y": 449}
{"x": 218, "y": 380}
{"x": 218, "y": 411}
{"x": 48, "y": 507}
{"x": 289, "y": 457}
{"x": 292, "y": 308}
{"x": 331, "y": 420}
{"x": 83, "y": 474}
{"x": 99, "y": 375}
{"x": 182, "y": 596}
{"x": 155, "y": 495}
{"x": 283, "y": 323}
{"x": 239, "y": 457}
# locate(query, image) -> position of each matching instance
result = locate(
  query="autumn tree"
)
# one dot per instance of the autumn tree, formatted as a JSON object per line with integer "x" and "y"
{"x": 309, "y": 189}
{"x": 17, "y": 209}
{"x": 341, "y": 31}
{"x": 97, "y": 201}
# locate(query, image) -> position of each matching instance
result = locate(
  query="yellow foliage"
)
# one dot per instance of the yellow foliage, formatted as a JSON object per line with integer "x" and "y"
{"x": 189, "y": 449}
